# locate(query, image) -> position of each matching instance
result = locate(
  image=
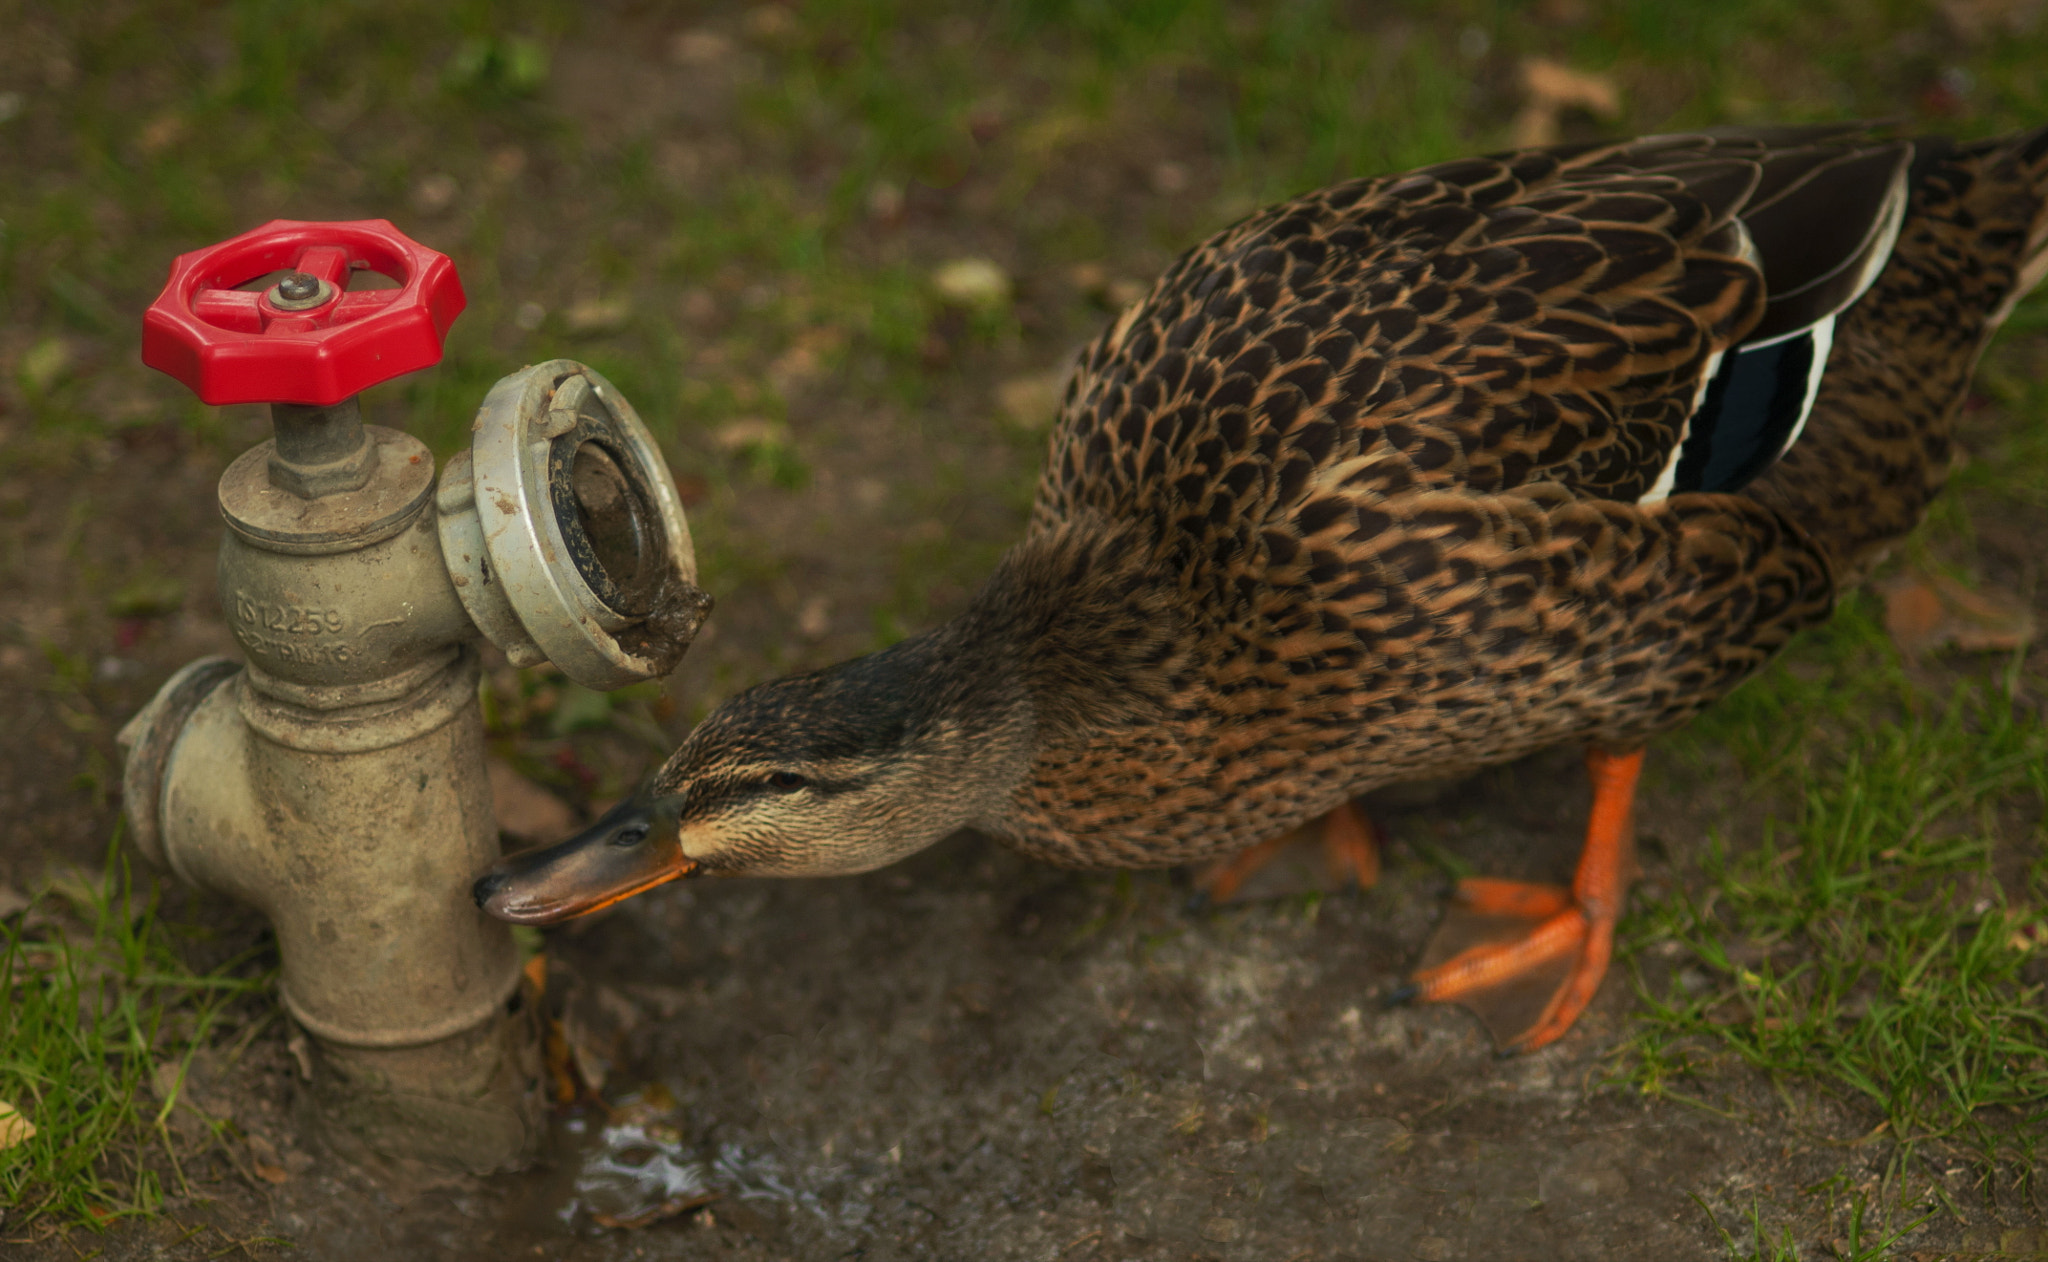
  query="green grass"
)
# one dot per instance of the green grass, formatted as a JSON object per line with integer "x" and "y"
{"x": 1877, "y": 946}
{"x": 1854, "y": 1245}
{"x": 1869, "y": 945}
{"x": 93, "y": 999}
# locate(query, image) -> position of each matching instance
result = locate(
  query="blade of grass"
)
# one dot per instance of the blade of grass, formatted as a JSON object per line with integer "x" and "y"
{"x": 90, "y": 1002}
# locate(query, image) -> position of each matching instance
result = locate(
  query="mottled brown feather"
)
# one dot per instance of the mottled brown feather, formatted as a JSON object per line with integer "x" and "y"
{"x": 1372, "y": 456}
{"x": 1353, "y": 495}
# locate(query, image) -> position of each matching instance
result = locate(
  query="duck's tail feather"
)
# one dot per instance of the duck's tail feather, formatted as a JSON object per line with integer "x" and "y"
{"x": 2029, "y": 152}
{"x": 1878, "y": 442}
{"x": 1817, "y": 211}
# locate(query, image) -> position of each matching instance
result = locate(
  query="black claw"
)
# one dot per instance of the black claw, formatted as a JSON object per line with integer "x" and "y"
{"x": 1402, "y": 994}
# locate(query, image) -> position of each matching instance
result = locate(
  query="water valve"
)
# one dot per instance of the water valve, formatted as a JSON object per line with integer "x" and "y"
{"x": 336, "y": 780}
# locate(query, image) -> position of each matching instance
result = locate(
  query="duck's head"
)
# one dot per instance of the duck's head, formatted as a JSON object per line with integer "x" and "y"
{"x": 826, "y": 774}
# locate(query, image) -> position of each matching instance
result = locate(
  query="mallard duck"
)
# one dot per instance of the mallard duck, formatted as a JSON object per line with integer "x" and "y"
{"x": 1396, "y": 480}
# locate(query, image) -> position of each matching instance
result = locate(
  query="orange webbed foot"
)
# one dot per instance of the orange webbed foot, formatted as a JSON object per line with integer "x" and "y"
{"x": 1527, "y": 958}
{"x": 1347, "y": 838}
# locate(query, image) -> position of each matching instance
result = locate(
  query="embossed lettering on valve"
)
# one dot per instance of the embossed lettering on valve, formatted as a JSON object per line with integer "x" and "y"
{"x": 291, "y": 630}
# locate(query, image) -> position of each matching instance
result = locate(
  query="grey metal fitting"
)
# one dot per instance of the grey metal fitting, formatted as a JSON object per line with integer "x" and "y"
{"x": 320, "y": 450}
{"x": 563, "y": 532}
{"x": 337, "y": 781}
{"x": 299, "y": 291}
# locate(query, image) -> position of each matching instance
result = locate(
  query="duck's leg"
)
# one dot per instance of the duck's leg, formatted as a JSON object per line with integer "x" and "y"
{"x": 1351, "y": 852}
{"x": 1527, "y": 957}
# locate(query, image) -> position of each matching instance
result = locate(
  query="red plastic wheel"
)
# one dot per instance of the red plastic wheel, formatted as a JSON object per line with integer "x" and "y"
{"x": 233, "y": 345}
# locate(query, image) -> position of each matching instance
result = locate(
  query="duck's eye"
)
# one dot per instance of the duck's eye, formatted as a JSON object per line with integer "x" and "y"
{"x": 630, "y": 835}
{"x": 786, "y": 781}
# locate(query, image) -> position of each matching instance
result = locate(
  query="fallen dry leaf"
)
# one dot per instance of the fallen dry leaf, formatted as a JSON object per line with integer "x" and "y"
{"x": 1552, "y": 88}
{"x": 1123, "y": 291}
{"x": 1924, "y": 612}
{"x": 815, "y": 618}
{"x": 302, "y": 1052}
{"x": 598, "y": 315}
{"x": 1554, "y": 83}
{"x": 700, "y": 48}
{"x": 804, "y": 361}
{"x": 772, "y": 22}
{"x": 973, "y": 282}
{"x": 2028, "y": 938}
{"x": 1562, "y": 12}
{"x": 550, "y": 983}
{"x": 265, "y": 1160}
{"x": 435, "y": 193}
{"x": 1031, "y": 402}
{"x": 507, "y": 163}
{"x": 749, "y": 431}
{"x": 1977, "y": 20}
{"x": 14, "y": 1128}
{"x": 161, "y": 132}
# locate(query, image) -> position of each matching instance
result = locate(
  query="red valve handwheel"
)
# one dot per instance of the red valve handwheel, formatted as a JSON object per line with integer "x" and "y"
{"x": 241, "y": 346}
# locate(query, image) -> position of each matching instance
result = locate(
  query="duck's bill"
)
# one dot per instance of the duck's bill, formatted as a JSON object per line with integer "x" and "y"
{"x": 626, "y": 852}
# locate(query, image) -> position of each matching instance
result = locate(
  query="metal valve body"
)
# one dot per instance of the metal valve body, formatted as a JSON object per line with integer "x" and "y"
{"x": 337, "y": 784}
{"x": 337, "y": 781}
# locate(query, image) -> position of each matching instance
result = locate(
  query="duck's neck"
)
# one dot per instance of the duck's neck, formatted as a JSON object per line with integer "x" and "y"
{"x": 1072, "y": 633}
{"x": 1080, "y": 615}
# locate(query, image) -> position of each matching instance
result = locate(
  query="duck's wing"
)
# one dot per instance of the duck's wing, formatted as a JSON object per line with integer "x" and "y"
{"x": 1626, "y": 320}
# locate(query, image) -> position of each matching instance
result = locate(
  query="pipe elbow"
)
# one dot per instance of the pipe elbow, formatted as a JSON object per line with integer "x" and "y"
{"x": 149, "y": 742}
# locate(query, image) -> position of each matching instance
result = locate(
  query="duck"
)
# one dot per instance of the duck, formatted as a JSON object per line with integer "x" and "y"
{"x": 1393, "y": 481}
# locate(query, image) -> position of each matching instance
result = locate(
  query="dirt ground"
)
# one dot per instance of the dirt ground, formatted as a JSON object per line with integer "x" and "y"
{"x": 965, "y": 1056}
{"x": 971, "y": 1056}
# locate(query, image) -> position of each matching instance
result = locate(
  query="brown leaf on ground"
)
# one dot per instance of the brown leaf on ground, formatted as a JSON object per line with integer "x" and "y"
{"x": 583, "y": 1028}
{"x": 1924, "y": 612}
{"x": 667, "y": 1209}
{"x": 161, "y": 132}
{"x": 265, "y": 1160}
{"x": 14, "y": 1128}
{"x": 596, "y": 1022}
{"x": 1032, "y": 402}
{"x": 525, "y": 810}
{"x": 814, "y": 620}
{"x": 749, "y": 431}
{"x": 1552, "y": 88}
{"x": 701, "y": 48}
{"x": 599, "y": 315}
{"x": 1977, "y": 20}
{"x": 973, "y": 282}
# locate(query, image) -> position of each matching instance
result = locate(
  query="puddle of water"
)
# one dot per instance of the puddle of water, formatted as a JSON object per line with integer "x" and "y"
{"x": 827, "y": 1191}
{"x": 632, "y": 1164}
{"x": 633, "y": 1173}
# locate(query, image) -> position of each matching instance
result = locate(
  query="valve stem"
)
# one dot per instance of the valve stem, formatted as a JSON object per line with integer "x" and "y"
{"x": 321, "y": 450}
